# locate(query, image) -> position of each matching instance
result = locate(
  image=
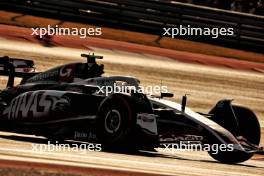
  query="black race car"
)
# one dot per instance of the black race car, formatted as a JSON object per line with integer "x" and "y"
{"x": 72, "y": 101}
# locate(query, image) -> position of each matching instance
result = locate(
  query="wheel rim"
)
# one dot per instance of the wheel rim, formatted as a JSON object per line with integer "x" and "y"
{"x": 112, "y": 121}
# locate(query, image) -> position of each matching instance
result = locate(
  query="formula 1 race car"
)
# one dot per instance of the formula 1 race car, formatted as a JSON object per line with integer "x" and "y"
{"x": 74, "y": 101}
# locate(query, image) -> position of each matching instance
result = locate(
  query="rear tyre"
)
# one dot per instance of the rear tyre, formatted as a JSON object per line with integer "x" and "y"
{"x": 248, "y": 127}
{"x": 115, "y": 120}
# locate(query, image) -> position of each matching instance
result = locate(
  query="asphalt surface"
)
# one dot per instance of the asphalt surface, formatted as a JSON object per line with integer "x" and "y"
{"x": 205, "y": 85}
{"x": 17, "y": 148}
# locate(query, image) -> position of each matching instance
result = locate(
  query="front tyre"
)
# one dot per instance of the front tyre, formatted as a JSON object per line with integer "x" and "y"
{"x": 248, "y": 127}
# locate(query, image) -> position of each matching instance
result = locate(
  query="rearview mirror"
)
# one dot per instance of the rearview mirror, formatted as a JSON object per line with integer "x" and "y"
{"x": 163, "y": 94}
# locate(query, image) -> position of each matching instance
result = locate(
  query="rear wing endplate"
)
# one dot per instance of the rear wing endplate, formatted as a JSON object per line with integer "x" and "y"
{"x": 13, "y": 67}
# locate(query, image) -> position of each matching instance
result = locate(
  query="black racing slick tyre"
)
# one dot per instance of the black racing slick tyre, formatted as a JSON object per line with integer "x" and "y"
{"x": 248, "y": 127}
{"x": 115, "y": 120}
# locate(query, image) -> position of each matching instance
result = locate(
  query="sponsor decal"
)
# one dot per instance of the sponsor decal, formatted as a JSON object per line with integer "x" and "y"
{"x": 84, "y": 135}
{"x": 174, "y": 138}
{"x": 33, "y": 104}
{"x": 66, "y": 73}
{"x": 44, "y": 76}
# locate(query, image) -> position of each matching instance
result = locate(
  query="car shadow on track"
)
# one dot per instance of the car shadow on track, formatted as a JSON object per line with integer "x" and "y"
{"x": 154, "y": 153}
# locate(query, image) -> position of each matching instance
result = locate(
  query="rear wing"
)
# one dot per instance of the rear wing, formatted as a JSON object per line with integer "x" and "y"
{"x": 13, "y": 67}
